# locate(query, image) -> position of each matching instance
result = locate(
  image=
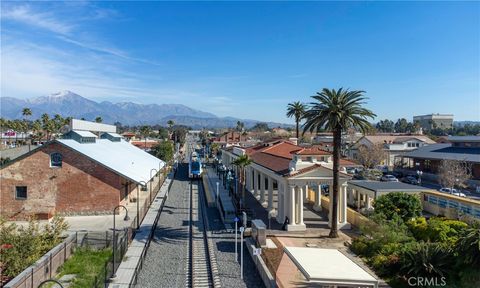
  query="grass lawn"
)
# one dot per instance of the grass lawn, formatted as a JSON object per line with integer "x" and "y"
{"x": 86, "y": 264}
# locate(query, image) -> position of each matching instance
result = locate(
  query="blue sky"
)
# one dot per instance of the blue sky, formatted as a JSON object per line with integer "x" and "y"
{"x": 247, "y": 59}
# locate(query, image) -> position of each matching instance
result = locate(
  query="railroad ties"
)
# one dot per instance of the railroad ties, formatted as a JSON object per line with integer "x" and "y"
{"x": 201, "y": 266}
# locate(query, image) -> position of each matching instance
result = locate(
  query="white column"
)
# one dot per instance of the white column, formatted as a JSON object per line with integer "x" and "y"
{"x": 368, "y": 202}
{"x": 359, "y": 200}
{"x": 255, "y": 183}
{"x": 262, "y": 189}
{"x": 305, "y": 194}
{"x": 343, "y": 207}
{"x": 300, "y": 206}
{"x": 318, "y": 199}
{"x": 270, "y": 194}
{"x": 291, "y": 212}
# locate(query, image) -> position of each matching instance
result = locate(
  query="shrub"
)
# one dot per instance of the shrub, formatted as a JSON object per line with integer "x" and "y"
{"x": 405, "y": 205}
{"x": 426, "y": 260}
{"x": 437, "y": 229}
{"x": 22, "y": 246}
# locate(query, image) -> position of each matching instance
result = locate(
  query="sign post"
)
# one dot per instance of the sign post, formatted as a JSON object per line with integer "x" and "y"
{"x": 236, "y": 219}
{"x": 242, "y": 229}
{"x": 217, "y": 193}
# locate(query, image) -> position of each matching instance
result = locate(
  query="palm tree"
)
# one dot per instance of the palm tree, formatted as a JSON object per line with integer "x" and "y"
{"x": 99, "y": 119}
{"x": 296, "y": 109}
{"x": 242, "y": 162}
{"x": 145, "y": 131}
{"x": 170, "y": 124}
{"x": 336, "y": 111}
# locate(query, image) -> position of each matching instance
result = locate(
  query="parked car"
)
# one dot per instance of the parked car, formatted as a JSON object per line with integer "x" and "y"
{"x": 389, "y": 178}
{"x": 448, "y": 190}
{"x": 452, "y": 191}
{"x": 460, "y": 194}
{"x": 410, "y": 180}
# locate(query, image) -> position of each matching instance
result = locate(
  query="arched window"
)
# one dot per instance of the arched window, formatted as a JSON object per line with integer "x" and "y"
{"x": 56, "y": 160}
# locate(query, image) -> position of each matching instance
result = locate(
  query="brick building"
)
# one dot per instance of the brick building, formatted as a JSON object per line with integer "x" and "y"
{"x": 79, "y": 175}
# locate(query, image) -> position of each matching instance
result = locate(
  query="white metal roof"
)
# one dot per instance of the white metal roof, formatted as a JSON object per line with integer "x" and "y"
{"x": 121, "y": 157}
{"x": 85, "y": 133}
{"x": 329, "y": 267}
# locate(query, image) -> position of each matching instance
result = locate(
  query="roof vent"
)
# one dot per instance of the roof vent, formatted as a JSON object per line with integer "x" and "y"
{"x": 114, "y": 137}
{"x": 81, "y": 136}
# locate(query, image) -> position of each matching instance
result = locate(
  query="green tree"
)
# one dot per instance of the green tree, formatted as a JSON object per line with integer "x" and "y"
{"x": 242, "y": 162}
{"x": 407, "y": 206}
{"x": 260, "y": 126}
{"x": 98, "y": 119}
{"x": 385, "y": 126}
{"x": 26, "y": 112}
{"x": 170, "y": 124}
{"x": 164, "y": 150}
{"x": 145, "y": 131}
{"x": 240, "y": 126}
{"x": 296, "y": 110}
{"x": 401, "y": 125}
{"x": 336, "y": 111}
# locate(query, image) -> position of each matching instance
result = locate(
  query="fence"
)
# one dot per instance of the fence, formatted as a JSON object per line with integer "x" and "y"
{"x": 46, "y": 267}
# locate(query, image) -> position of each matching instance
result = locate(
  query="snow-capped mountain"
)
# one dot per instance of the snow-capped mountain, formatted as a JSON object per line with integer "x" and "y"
{"x": 67, "y": 103}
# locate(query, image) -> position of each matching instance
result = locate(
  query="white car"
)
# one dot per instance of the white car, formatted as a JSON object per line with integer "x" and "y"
{"x": 388, "y": 178}
{"x": 448, "y": 190}
{"x": 459, "y": 194}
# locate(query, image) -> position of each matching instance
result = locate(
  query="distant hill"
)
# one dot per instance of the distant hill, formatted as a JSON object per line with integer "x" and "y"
{"x": 463, "y": 123}
{"x": 67, "y": 103}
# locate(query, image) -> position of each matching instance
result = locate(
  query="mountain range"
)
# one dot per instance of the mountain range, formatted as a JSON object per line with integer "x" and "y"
{"x": 67, "y": 103}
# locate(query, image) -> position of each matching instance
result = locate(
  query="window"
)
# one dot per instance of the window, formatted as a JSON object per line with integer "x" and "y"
{"x": 21, "y": 192}
{"x": 56, "y": 160}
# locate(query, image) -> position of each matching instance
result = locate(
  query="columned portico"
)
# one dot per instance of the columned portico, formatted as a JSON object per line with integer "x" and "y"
{"x": 284, "y": 187}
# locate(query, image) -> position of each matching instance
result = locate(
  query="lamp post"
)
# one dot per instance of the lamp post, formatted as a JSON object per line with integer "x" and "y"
{"x": 217, "y": 192}
{"x": 114, "y": 240}
{"x": 419, "y": 173}
{"x": 156, "y": 172}
{"x": 138, "y": 202}
{"x": 50, "y": 280}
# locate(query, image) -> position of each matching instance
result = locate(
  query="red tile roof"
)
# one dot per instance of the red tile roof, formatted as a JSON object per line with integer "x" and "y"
{"x": 314, "y": 150}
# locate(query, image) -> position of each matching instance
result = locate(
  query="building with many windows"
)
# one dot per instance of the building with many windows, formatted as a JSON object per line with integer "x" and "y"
{"x": 432, "y": 121}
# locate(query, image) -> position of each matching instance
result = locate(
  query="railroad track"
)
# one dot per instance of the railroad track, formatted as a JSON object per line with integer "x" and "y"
{"x": 201, "y": 267}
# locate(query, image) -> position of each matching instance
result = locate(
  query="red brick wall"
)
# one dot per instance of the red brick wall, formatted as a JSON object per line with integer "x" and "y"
{"x": 81, "y": 186}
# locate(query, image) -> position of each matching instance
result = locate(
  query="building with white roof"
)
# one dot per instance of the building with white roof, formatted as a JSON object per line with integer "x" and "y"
{"x": 81, "y": 174}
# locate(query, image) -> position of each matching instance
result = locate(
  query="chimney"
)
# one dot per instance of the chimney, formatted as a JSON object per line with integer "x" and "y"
{"x": 293, "y": 140}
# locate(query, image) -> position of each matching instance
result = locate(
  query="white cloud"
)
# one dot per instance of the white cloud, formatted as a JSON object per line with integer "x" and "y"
{"x": 43, "y": 20}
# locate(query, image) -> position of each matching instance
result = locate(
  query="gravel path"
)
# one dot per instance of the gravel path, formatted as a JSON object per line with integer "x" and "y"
{"x": 165, "y": 263}
{"x": 166, "y": 259}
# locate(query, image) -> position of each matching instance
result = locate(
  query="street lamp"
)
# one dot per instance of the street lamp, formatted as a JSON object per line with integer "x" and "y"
{"x": 156, "y": 172}
{"x": 50, "y": 280}
{"x": 419, "y": 173}
{"x": 126, "y": 218}
{"x": 138, "y": 202}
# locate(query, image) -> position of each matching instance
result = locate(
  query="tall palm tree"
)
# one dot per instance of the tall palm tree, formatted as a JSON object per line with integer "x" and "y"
{"x": 297, "y": 110}
{"x": 145, "y": 131}
{"x": 170, "y": 124}
{"x": 336, "y": 111}
{"x": 242, "y": 162}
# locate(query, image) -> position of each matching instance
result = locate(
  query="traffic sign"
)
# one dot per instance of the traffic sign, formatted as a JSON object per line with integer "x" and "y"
{"x": 242, "y": 229}
{"x": 236, "y": 219}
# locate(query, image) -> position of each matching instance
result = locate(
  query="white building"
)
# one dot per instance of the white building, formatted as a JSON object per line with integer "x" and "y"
{"x": 283, "y": 176}
{"x": 393, "y": 145}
